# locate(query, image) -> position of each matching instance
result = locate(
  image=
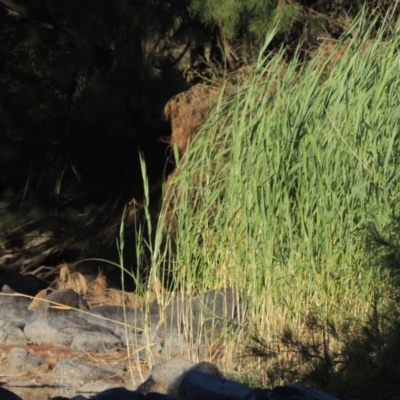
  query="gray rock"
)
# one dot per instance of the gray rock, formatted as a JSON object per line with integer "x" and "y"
{"x": 114, "y": 318}
{"x": 12, "y": 333}
{"x": 193, "y": 323}
{"x": 19, "y": 357}
{"x": 119, "y": 313}
{"x": 74, "y": 373}
{"x": 115, "y": 369}
{"x": 58, "y": 326}
{"x": 13, "y": 307}
{"x": 96, "y": 341}
{"x": 39, "y": 331}
{"x": 166, "y": 377}
{"x": 185, "y": 323}
{"x": 98, "y": 386}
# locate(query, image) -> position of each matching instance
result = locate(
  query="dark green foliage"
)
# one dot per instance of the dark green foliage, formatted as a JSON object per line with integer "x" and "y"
{"x": 80, "y": 93}
{"x": 240, "y": 27}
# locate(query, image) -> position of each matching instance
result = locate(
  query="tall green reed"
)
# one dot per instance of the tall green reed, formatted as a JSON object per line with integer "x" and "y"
{"x": 274, "y": 192}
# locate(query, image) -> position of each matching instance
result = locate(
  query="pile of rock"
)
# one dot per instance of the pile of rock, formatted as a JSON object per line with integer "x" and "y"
{"x": 179, "y": 379}
{"x": 167, "y": 329}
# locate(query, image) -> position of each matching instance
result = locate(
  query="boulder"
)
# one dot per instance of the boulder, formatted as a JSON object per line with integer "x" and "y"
{"x": 167, "y": 377}
{"x": 198, "y": 385}
{"x": 61, "y": 326}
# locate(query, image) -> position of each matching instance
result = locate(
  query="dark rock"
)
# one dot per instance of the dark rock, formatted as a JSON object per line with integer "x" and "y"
{"x": 197, "y": 385}
{"x": 160, "y": 396}
{"x": 8, "y": 395}
{"x": 119, "y": 393}
{"x": 192, "y": 323}
{"x": 294, "y": 392}
{"x": 12, "y": 333}
{"x": 67, "y": 297}
{"x": 258, "y": 394}
{"x": 25, "y": 284}
{"x": 173, "y": 330}
{"x": 79, "y": 397}
{"x": 59, "y": 398}
{"x": 74, "y": 373}
{"x": 285, "y": 391}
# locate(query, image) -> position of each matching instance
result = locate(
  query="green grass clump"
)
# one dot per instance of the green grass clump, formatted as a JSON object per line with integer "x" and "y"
{"x": 274, "y": 193}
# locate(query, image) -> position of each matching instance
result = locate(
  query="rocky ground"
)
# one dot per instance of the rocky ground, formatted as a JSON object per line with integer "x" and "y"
{"x": 180, "y": 379}
{"x": 28, "y": 370}
{"x": 58, "y": 340}
{"x": 56, "y": 344}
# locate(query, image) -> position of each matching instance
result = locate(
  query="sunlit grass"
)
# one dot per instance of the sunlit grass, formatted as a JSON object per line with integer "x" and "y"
{"x": 274, "y": 193}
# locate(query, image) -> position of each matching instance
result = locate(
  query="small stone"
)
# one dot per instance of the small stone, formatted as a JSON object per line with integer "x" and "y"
{"x": 19, "y": 357}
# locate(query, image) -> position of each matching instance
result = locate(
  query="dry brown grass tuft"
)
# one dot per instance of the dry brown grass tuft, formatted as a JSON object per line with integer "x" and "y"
{"x": 99, "y": 285}
{"x": 187, "y": 111}
{"x": 36, "y": 301}
{"x": 95, "y": 292}
{"x": 115, "y": 297}
{"x": 75, "y": 281}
